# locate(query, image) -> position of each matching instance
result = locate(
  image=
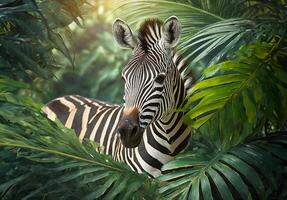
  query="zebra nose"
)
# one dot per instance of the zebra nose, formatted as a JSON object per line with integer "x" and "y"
{"x": 128, "y": 129}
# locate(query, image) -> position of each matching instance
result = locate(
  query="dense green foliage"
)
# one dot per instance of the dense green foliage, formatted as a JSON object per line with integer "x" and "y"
{"x": 238, "y": 107}
{"x": 248, "y": 170}
{"x": 45, "y": 158}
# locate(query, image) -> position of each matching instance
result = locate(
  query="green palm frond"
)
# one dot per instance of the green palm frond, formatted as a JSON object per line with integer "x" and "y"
{"x": 194, "y": 15}
{"x": 41, "y": 158}
{"x": 248, "y": 86}
{"x": 217, "y": 41}
{"x": 245, "y": 171}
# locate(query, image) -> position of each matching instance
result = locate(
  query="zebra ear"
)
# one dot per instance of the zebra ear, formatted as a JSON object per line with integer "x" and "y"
{"x": 171, "y": 30}
{"x": 123, "y": 34}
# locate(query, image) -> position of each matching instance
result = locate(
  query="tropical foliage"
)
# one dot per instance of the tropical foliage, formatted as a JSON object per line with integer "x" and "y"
{"x": 238, "y": 106}
{"x": 46, "y": 159}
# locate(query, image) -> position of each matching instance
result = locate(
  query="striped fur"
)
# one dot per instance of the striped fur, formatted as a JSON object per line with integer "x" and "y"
{"x": 165, "y": 133}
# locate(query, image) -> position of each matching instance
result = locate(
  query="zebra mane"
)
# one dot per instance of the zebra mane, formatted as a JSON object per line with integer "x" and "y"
{"x": 149, "y": 31}
{"x": 150, "y": 28}
{"x": 186, "y": 73}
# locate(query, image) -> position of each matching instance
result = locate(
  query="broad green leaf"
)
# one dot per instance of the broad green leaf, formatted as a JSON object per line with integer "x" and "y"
{"x": 216, "y": 175}
{"x": 250, "y": 108}
{"x": 220, "y": 184}
{"x": 249, "y": 173}
{"x": 195, "y": 190}
{"x": 215, "y": 81}
{"x": 201, "y": 109}
{"x": 205, "y": 187}
{"x": 234, "y": 178}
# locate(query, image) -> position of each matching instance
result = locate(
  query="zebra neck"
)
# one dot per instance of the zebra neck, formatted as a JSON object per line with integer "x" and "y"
{"x": 171, "y": 134}
{"x": 171, "y": 127}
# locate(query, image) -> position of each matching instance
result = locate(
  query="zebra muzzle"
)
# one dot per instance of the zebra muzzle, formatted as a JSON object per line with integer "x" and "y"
{"x": 129, "y": 129}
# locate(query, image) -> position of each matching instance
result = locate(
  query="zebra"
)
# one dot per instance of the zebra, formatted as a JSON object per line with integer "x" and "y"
{"x": 146, "y": 131}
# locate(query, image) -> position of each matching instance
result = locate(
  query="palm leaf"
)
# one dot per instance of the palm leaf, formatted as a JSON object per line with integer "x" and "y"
{"x": 194, "y": 14}
{"x": 237, "y": 86}
{"x": 217, "y": 41}
{"x": 52, "y": 160}
{"x": 246, "y": 171}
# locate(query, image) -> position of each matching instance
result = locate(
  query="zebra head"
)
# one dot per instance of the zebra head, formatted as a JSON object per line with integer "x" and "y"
{"x": 150, "y": 76}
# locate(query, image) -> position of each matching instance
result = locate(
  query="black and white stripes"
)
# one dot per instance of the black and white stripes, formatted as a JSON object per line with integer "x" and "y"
{"x": 156, "y": 81}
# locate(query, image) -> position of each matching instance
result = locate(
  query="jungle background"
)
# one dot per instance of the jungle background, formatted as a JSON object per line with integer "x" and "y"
{"x": 237, "y": 106}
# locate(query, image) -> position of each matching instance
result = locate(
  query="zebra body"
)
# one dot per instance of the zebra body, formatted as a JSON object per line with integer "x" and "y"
{"x": 164, "y": 133}
{"x": 98, "y": 121}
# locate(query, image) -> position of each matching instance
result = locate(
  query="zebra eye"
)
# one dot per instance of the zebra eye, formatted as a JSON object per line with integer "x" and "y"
{"x": 160, "y": 78}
